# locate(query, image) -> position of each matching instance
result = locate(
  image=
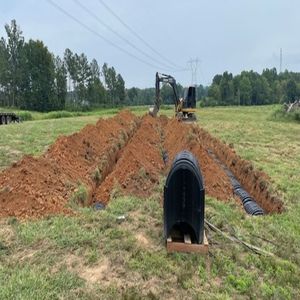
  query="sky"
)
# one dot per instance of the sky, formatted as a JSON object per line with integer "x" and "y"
{"x": 224, "y": 35}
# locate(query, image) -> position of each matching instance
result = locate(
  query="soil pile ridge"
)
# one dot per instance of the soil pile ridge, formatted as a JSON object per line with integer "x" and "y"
{"x": 126, "y": 155}
{"x": 34, "y": 187}
{"x": 182, "y": 136}
{"x": 138, "y": 170}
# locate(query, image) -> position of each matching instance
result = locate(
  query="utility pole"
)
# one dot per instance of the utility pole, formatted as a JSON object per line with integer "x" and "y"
{"x": 280, "y": 62}
{"x": 193, "y": 63}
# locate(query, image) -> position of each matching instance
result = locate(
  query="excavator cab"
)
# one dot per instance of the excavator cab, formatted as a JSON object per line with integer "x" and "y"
{"x": 190, "y": 97}
{"x": 188, "y": 108}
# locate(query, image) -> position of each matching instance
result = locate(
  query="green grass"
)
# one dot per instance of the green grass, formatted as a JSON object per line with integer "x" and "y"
{"x": 92, "y": 255}
{"x": 34, "y": 115}
{"x": 34, "y": 137}
{"x": 273, "y": 146}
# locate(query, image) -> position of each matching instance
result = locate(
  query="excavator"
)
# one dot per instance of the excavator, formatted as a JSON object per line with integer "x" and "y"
{"x": 185, "y": 108}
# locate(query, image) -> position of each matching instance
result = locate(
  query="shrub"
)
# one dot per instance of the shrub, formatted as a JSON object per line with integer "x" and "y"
{"x": 281, "y": 114}
{"x": 61, "y": 114}
{"x": 25, "y": 116}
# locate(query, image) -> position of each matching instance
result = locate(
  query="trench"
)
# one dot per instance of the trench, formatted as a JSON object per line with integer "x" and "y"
{"x": 125, "y": 155}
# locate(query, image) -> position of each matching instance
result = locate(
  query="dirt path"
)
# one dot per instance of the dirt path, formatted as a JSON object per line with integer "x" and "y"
{"x": 123, "y": 154}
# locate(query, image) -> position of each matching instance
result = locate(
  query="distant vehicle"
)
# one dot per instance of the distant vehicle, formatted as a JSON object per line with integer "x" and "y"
{"x": 7, "y": 118}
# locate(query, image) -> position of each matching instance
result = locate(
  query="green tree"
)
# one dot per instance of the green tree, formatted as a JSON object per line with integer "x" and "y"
{"x": 291, "y": 90}
{"x": 83, "y": 75}
{"x": 71, "y": 67}
{"x": 14, "y": 47}
{"x": 3, "y": 73}
{"x": 96, "y": 90}
{"x": 132, "y": 94}
{"x": 245, "y": 90}
{"x": 38, "y": 80}
{"x": 110, "y": 82}
{"x": 214, "y": 95}
{"x": 60, "y": 82}
{"x": 227, "y": 89}
{"x": 120, "y": 89}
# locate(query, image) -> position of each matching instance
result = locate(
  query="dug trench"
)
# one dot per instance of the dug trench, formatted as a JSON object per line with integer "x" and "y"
{"x": 122, "y": 155}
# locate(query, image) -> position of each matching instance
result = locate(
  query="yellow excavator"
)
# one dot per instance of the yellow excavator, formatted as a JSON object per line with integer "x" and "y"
{"x": 185, "y": 108}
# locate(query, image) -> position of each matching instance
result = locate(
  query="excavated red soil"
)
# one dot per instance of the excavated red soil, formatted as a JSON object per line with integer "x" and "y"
{"x": 181, "y": 136}
{"x": 123, "y": 154}
{"x": 139, "y": 169}
{"x": 41, "y": 186}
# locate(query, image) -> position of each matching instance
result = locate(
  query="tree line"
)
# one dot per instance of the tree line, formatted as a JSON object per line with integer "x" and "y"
{"x": 33, "y": 78}
{"x": 252, "y": 88}
{"x": 137, "y": 96}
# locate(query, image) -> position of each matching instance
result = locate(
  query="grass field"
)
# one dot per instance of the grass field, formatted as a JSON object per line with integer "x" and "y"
{"x": 93, "y": 256}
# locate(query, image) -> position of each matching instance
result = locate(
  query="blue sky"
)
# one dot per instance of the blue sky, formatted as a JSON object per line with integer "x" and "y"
{"x": 231, "y": 35}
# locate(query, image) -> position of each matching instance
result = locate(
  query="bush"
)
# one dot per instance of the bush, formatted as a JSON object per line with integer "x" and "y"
{"x": 61, "y": 114}
{"x": 281, "y": 114}
{"x": 25, "y": 116}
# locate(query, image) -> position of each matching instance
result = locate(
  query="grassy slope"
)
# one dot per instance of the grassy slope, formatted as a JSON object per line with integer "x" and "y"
{"x": 93, "y": 256}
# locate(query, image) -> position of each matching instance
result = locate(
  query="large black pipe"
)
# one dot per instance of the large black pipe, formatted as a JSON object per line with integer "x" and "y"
{"x": 184, "y": 198}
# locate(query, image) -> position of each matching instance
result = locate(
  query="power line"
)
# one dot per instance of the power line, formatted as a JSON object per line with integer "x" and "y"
{"x": 99, "y": 35}
{"x": 119, "y": 35}
{"x": 138, "y": 36}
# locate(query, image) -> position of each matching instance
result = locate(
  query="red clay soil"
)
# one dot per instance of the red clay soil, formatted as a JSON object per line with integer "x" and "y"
{"x": 41, "y": 186}
{"x": 138, "y": 170}
{"x": 181, "y": 136}
{"x": 122, "y": 154}
{"x": 255, "y": 182}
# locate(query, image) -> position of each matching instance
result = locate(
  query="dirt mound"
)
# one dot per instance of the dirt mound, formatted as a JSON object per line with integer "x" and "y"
{"x": 141, "y": 164}
{"x": 183, "y": 136}
{"x": 124, "y": 154}
{"x": 35, "y": 187}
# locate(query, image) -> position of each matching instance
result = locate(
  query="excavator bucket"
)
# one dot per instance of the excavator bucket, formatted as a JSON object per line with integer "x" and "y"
{"x": 153, "y": 111}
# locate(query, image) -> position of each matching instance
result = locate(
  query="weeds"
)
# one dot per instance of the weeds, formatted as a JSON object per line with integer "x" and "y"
{"x": 96, "y": 176}
{"x": 80, "y": 196}
{"x": 116, "y": 191}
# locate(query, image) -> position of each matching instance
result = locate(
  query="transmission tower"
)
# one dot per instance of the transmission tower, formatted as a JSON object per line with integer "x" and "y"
{"x": 193, "y": 64}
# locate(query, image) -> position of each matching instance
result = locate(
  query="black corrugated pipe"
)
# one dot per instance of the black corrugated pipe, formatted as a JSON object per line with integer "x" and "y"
{"x": 184, "y": 198}
{"x": 249, "y": 204}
